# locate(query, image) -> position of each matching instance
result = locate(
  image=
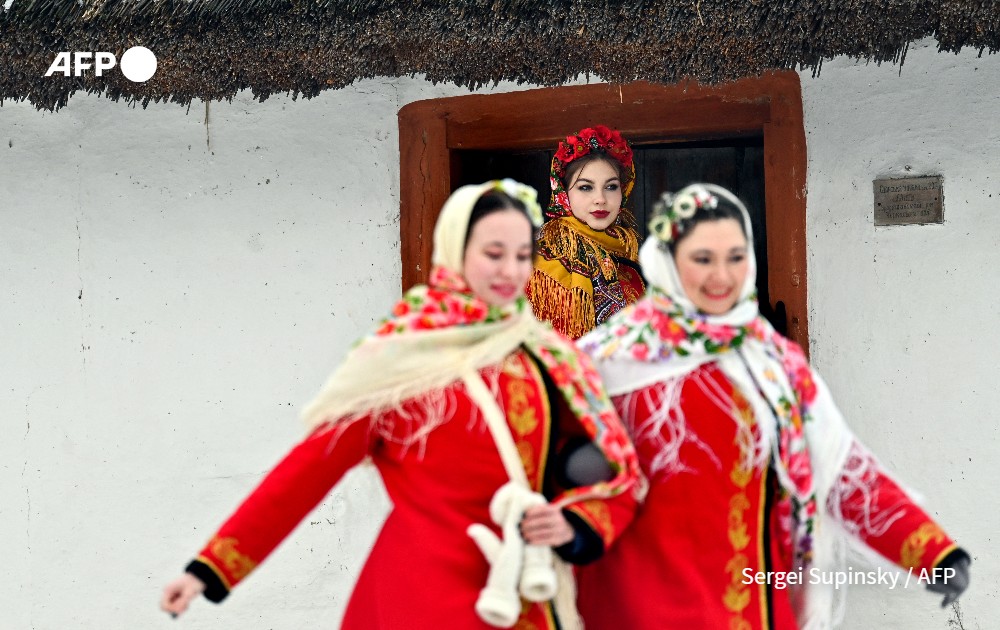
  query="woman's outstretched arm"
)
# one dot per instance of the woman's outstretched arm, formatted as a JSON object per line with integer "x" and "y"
{"x": 286, "y": 496}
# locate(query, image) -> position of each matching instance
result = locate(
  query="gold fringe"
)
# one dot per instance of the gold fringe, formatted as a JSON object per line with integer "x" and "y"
{"x": 570, "y": 310}
{"x": 561, "y": 238}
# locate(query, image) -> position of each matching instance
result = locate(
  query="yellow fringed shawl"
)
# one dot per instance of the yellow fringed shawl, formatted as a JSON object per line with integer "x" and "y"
{"x": 572, "y": 260}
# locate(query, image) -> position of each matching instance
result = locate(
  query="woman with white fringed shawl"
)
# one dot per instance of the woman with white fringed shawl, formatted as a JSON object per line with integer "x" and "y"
{"x": 468, "y": 407}
{"x": 756, "y": 481}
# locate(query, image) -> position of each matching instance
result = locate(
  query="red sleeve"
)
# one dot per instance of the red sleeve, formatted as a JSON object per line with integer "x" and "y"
{"x": 609, "y": 517}
{"x": 286, "y": 496}
{"x": 605, "y": 517}
{"x": 885, "y": 518}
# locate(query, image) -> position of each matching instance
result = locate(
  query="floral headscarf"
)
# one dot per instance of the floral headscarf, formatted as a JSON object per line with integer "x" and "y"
{"x": 597, "y": 138}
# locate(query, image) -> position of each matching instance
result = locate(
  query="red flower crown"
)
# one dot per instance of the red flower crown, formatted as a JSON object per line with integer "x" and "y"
{"x": 596, "y": 138}
{"x": 591, "y": 139}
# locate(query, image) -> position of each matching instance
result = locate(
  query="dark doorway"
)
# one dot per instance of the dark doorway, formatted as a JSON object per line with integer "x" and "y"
{"x": 734, "y": 163}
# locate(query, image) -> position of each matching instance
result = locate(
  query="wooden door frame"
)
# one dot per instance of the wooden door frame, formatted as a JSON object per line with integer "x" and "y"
{"x": 770, "y": 105}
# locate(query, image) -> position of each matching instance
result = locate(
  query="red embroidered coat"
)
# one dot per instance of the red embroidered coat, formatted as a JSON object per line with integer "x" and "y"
{"x": 424, "y": 571}
{"x": 683, "y": 561}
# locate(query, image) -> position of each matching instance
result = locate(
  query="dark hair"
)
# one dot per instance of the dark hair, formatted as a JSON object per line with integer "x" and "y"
{"x": 496, "y": 201}
{"x": 574, "y": 167}
{"x": 725, "y": 209}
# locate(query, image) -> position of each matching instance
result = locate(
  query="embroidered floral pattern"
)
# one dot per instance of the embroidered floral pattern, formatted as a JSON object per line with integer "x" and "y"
{"x": 659, "y": 326}
{"x": 236, "y": 564}
{"x": 912, "y": 551}
{"x": 447, "y": 301}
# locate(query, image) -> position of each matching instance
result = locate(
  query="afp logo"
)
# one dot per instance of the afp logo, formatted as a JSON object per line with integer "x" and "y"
{"x": 138, "y": 64}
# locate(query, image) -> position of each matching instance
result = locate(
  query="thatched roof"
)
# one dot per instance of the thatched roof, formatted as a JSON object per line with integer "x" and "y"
{"x": 211, "y": 49}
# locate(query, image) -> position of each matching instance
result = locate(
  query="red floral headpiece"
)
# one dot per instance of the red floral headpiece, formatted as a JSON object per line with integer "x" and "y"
{"x": 596, "y": 138}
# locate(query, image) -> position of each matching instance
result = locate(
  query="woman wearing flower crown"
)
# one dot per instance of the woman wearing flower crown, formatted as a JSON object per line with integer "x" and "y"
{"x": 756, "y": 481}
{"x": 585, "y": 267}
{"x": 465, "y": 403}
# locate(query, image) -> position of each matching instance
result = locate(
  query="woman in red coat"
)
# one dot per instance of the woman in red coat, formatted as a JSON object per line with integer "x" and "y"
{"x": 467, "y": 406}
{"x": 755, "y": 478}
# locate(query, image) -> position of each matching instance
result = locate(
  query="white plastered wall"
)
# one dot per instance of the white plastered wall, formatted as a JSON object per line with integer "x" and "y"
{"x": 226, "y": 266}
{"x": 903, "y": 320}
{"x": 174, "y": 289}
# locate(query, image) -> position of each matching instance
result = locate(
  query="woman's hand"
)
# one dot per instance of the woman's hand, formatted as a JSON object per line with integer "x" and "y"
{"x": 546, "y": 525}
{"x": 178, "y": 594}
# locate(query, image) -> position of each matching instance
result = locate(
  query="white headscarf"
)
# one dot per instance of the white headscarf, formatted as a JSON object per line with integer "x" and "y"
{"x": 383, "y": 370}
{"x": 661, "y": 271}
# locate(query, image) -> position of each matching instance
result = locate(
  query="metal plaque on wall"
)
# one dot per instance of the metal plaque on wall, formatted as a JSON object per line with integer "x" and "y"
{"x": 909, "y": 200}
